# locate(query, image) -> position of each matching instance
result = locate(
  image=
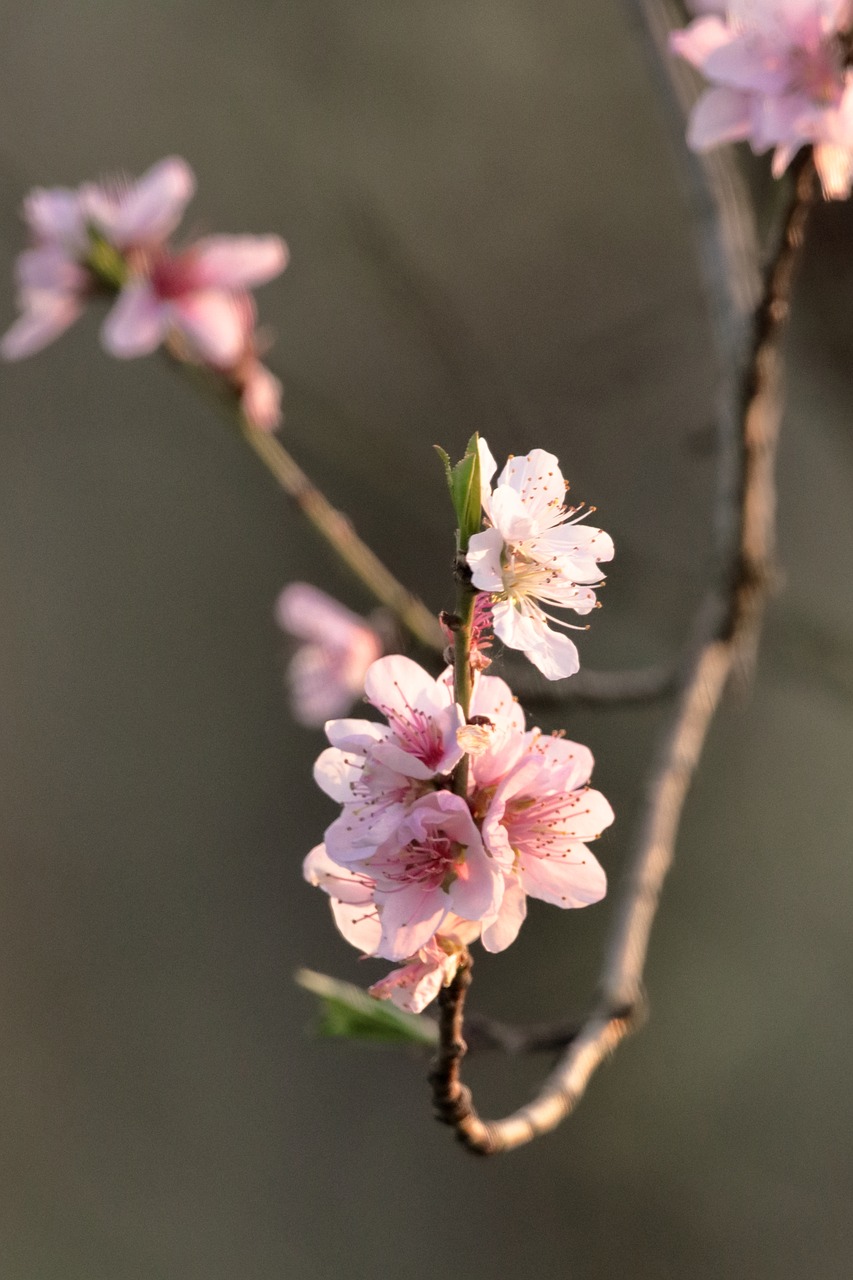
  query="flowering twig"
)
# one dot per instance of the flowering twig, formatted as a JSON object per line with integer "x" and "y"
{"x": 726, "y": 634}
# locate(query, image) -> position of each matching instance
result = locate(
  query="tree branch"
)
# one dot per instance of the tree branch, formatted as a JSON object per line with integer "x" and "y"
{"x": 727, "y": 627}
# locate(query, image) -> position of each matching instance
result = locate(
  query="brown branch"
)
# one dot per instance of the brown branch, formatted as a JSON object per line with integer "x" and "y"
{"x": 726, "y": 635}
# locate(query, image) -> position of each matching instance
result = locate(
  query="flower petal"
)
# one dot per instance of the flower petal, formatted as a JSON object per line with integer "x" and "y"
{"x": 239, "y": 262}
{"x": 155, "y": 204}
{"x": 137, "y": 323}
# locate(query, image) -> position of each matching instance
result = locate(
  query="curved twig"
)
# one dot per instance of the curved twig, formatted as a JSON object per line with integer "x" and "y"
{"x": 727, "y": 629}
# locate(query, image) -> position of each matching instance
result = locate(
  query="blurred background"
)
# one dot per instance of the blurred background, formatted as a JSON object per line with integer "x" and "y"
{"x": 488, "y": 231}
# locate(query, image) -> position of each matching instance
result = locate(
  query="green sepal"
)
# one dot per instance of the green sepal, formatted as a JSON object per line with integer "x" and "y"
{"x": 105, "y": 262}
{"x": 463, "y": 481}
{"x": 347, "y": 1011}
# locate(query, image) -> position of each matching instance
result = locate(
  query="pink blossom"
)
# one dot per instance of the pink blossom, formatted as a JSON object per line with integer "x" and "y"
{"x": 54, "y": 277}
{"x": 378, "y": 771}
{"x": 535, "y": 552}
{"x": 539, "y": 818}
{"x": 419, "y": 980}
{"x": 326, "y": 674}
{"x": 197, "y": 293}
{"x": 433, "y": 865}
{"x": 780, "y": 76}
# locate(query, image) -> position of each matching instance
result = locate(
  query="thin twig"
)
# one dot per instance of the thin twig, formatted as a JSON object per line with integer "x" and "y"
{"x": 727, "y": 627}
{"x": 332, "y": 525}
{"x": 614, "y": 688}
{"x": 339, "y": 533}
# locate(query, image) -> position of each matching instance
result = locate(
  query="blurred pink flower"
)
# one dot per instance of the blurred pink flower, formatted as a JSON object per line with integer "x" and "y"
{"x": 781, "y": 78}
{"x": 326, "y": 674}
{"x": 54, "y": 277}
{"x": 535, "y": 552}
{"x": 197, "y": 292}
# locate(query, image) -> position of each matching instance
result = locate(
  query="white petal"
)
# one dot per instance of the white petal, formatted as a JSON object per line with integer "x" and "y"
{"x": 484, "y": 560}
{"x": 488, "y": 467}
{"x": 334, "y": 772}
{"x": 537, "y": 479}
{"x": 556, "y": 656}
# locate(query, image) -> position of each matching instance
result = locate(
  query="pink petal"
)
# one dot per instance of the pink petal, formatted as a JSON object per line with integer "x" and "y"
{"x": 55, "y": 215}
{"x": 575, "y": 881}
{"x": 39, "y": 325}
{"x": 410, "y": 916}
{"x": 155, "y": 203}
{"x": 137, "y": 323}
{"x": 696, "y": 42}
{"x": 720, "y": 115}
{"x": 239, "y": 262}
{"x": 310, "y": 614}
{"x": 211, "y": 322}
{"x": 503, "y": 930}
{"x": 49, "y": 267}
{"x": 537, "y": 479}
{"x": 748, "y": 62}
{"x": 359, "y": 925}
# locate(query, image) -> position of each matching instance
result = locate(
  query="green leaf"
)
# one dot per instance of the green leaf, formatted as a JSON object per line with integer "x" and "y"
{"x": 463, "y": 480}
{"x": 346, "y": 1010}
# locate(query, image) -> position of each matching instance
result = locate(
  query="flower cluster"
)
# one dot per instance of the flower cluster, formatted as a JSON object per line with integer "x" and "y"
{"x": 781, "y": 77}
{"x": 113, "y": 238}
{"x": 417, "y": 871}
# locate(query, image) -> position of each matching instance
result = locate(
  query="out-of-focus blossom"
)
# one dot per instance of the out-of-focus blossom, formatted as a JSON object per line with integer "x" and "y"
{"x": 111, "y": 238}
{"x": 781, "y": 78}
{"x": 68, "y": 227}
{"x": 326, "y": 673}
{"x": 535, "y": 553}
{"x": 197, "y": 292}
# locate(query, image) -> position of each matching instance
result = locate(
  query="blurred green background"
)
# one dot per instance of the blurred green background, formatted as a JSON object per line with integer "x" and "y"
{"x": 488, "y": 232}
